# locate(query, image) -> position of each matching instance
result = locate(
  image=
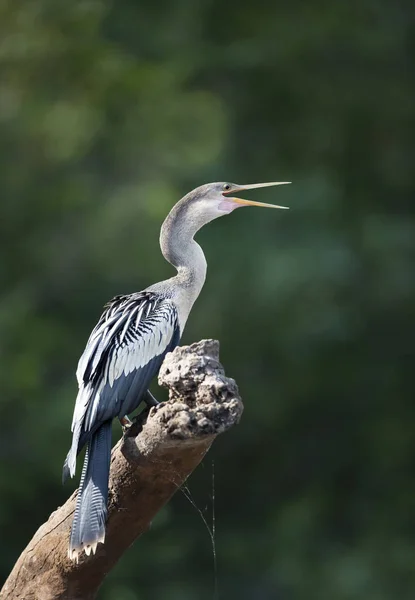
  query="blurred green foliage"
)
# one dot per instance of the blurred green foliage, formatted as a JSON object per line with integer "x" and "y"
{"x": 109, "y": 113}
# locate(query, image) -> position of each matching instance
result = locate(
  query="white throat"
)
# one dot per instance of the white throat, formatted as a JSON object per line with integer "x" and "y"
{"x": 184, "y": 253}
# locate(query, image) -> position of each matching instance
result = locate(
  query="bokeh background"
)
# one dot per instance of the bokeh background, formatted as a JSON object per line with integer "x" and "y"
{"x": 109, "y": 113}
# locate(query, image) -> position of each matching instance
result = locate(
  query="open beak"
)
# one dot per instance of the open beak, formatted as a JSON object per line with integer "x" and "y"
{"x": 242, "y": 188}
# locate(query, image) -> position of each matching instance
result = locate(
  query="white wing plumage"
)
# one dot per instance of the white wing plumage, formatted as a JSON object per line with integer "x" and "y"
{"x": 123, "y": 353}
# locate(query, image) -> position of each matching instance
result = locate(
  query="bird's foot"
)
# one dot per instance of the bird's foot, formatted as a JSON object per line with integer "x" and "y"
{"x": 125, "y": 423}
{"x": 150, "y": 400}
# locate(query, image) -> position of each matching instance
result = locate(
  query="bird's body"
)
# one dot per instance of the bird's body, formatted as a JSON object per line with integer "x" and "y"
{"x": 126, "y": 349}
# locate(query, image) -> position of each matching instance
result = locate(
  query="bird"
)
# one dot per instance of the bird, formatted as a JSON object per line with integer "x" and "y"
{"x": 127, "y": 347}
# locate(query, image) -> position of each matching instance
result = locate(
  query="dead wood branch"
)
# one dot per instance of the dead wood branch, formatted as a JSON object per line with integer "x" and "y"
{"x": 147, "y": 467}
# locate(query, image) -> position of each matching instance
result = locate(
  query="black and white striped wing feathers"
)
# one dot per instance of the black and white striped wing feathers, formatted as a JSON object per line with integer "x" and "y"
{"x": 123, "y": 354}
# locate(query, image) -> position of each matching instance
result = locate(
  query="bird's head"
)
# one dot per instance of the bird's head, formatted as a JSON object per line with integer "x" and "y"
{"x": 199, "y": 207}
{"x": 214, "y": 200}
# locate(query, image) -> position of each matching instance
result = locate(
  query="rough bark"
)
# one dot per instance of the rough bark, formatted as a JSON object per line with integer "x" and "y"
{"x": 147, "y": 467}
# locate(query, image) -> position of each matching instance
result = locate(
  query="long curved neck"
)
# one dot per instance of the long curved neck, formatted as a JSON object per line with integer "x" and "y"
{"x": 180, "y": 249}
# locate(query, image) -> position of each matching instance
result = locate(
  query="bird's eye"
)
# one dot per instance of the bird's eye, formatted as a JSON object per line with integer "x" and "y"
{"x": 227, "y": 186}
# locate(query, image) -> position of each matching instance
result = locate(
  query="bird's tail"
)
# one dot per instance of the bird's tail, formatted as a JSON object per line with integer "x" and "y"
{"x": 88, "y": 527}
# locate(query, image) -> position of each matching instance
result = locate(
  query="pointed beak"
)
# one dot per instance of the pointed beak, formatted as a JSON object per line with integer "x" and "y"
{"x": 242, "y": 188}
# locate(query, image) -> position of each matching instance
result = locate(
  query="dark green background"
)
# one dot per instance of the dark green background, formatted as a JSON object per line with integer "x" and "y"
{"x": 109, "y": 113}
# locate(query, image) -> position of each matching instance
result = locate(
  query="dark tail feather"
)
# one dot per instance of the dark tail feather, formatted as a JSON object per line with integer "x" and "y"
{"x": 88, "y": 527}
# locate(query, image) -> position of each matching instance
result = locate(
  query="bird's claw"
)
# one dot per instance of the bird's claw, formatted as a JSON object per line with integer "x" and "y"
{"x": 125, "y": 423}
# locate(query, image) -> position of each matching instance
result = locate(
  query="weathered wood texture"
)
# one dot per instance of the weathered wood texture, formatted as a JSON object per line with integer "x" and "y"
{"x": 147, "y": 466}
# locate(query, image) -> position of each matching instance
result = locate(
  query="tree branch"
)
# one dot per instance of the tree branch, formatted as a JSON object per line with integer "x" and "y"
{"x": 148, "y": 465}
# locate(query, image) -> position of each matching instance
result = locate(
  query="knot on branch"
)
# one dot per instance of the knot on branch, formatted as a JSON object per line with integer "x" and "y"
{"x": 202, "y": 399}
{"x": 203, "y": 402}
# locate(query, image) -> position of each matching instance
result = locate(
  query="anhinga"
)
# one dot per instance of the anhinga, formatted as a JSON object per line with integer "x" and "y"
{"x": 127, "y": 348}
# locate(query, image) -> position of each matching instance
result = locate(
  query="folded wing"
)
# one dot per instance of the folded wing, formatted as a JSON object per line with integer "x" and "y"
{"x": 123, "y": 354}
